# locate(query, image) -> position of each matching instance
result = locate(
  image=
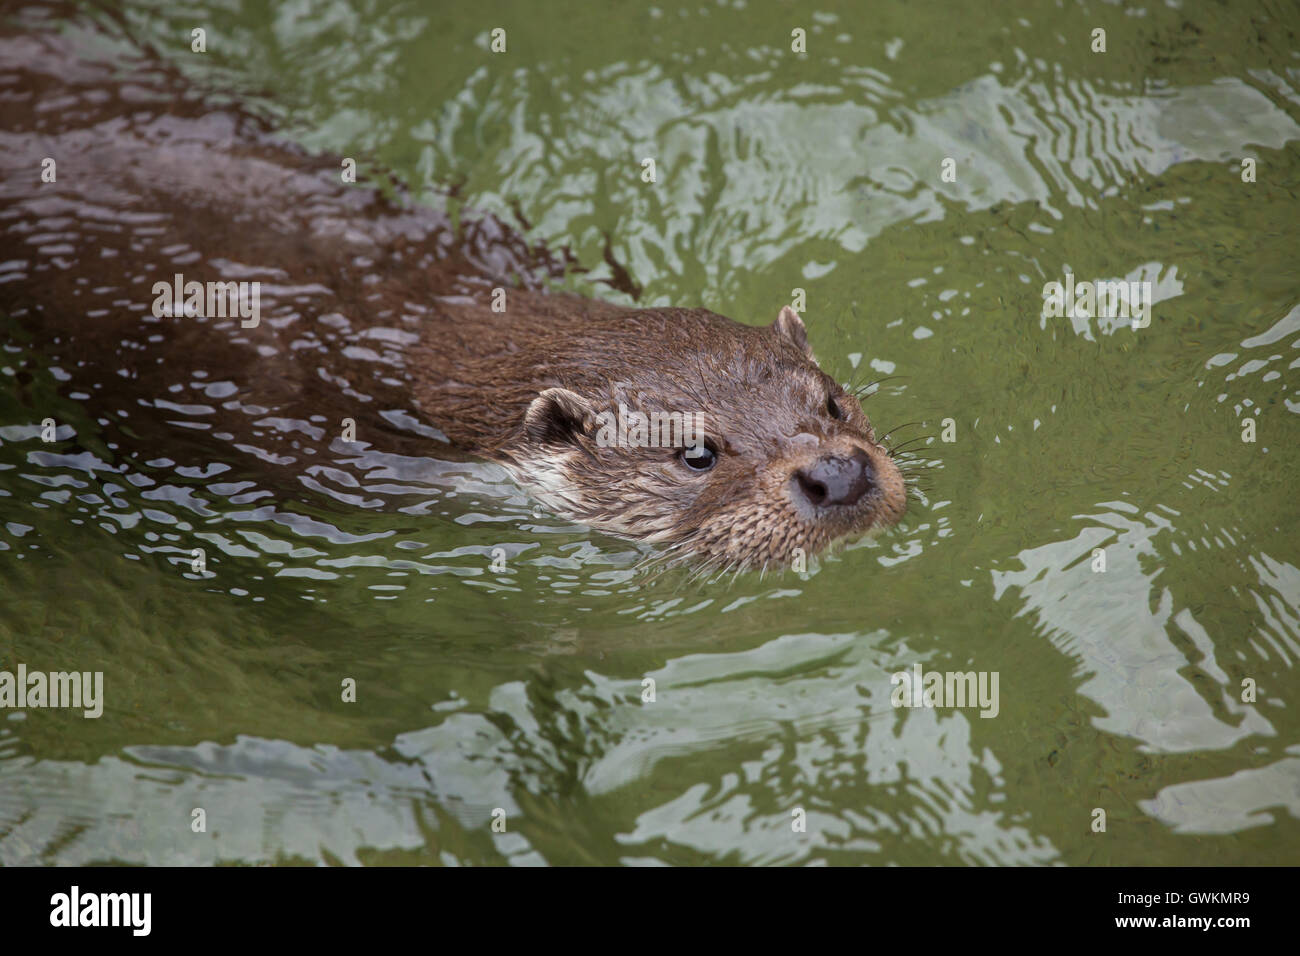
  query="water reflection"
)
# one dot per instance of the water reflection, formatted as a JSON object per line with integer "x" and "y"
{"x": 521, "y": 688}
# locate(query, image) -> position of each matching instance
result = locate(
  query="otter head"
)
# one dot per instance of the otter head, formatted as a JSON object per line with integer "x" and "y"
{"x": 772, "y": 458}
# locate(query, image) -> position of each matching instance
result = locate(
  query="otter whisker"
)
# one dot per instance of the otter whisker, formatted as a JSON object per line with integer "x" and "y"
{"x": 861, "y": 391}
{"x": 896, "y": 428}
{"x": 901, "y": 448}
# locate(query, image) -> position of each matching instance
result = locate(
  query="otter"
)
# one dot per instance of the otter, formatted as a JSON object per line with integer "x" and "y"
{"x": 371, "y": 303}
{"x": 788, "y": 461}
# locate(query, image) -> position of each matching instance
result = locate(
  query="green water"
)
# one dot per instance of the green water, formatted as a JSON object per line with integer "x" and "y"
{"x": 521, "y": 690}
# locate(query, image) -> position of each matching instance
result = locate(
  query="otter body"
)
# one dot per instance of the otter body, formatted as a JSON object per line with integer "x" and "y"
{"x": 367, "y": 307}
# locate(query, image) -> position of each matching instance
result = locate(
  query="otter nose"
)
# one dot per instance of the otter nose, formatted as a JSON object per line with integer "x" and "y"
{"x": 836, "y": 480}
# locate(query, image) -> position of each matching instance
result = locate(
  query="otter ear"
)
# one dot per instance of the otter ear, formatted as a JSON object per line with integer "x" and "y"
{"x": 789, "y": 325}
{"x": 557, "y": 417}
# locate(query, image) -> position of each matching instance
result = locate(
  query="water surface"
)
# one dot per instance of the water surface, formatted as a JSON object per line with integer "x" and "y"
{"x": 521, "y": 690}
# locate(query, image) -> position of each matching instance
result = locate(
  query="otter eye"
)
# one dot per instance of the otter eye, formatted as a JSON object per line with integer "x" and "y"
{"x": 699, "y": 458}
{"x": 833, "y": 408}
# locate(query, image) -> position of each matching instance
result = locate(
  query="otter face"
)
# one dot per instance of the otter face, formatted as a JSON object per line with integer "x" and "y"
{"x": 783, "y": 463}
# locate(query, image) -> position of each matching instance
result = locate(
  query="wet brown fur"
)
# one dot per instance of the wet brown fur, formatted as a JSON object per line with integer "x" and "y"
{"x": 372, "y": 304}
